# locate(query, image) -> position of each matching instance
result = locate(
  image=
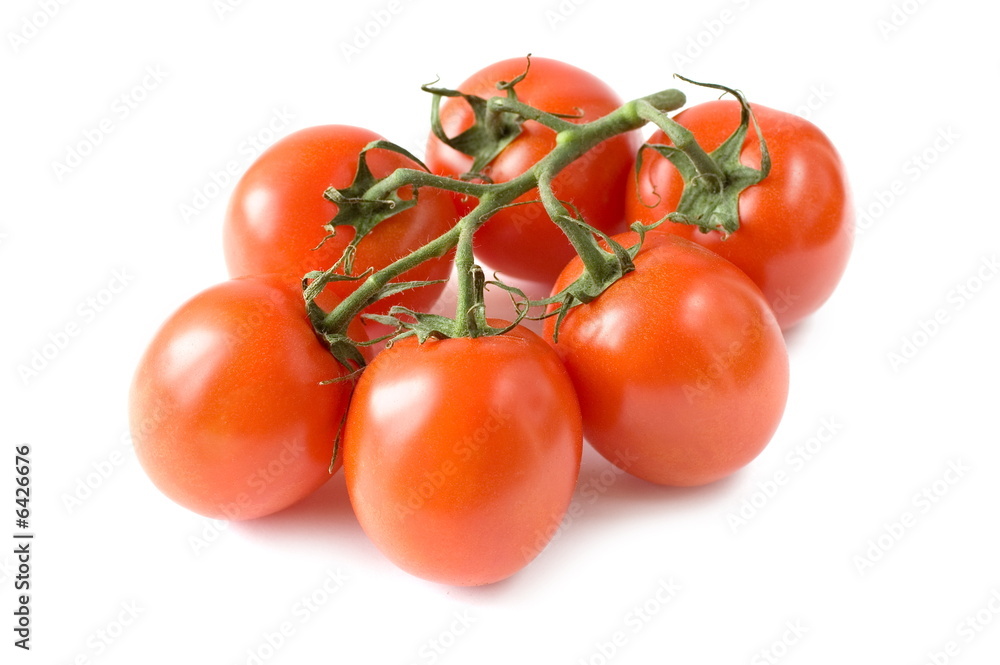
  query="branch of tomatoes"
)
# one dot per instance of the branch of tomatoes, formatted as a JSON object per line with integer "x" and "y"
{"x": 670, "y": 361}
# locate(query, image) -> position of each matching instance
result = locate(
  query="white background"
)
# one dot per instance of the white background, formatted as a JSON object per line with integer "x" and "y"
{"x": 843, "y": 563}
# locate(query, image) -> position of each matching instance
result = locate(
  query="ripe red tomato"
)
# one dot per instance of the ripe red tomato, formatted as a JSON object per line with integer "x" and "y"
{"x": 680, "y": 366}
{"x": 795, "y": 229}
{"x": 277, "y": 211}
{"x": 521, "y": 241}
{"x": 461, "y": 455}
{"x": 227, "y": 411}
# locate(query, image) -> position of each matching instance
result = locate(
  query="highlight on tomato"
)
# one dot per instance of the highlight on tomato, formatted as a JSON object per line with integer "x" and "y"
{"x": 236, "y": 405}
{"x": 795, "y": 226}
{"x": 520, "y": 241}
{"x": 680, "y": 366}
{"x": 461, "y": 455}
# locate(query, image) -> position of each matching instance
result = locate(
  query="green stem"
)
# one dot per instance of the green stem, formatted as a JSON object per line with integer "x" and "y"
{"x": 594, "y": 259}
{"x": 412, "y": 177}
{"x": 341, "y": 316}
{"x": 571, "y": 143}
{"x": 465, "y": 317}
{"x": 683, "y": 140}
{"x": 508, "y": 105}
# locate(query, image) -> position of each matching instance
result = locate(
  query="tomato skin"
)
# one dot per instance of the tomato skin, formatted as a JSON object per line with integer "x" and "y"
{"x": 680, "y": 366}
{"x": 226, "y": 409}
{"x": 276, "y": 214}
{"x": 796, "y": 225}
{"x": 461, "y": 455}
{"x": 522, "y": 241}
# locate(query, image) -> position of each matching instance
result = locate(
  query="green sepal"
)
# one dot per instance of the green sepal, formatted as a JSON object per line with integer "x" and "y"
{"x": 710, "y": 199}
{"x": 343, "y": 348}
{"x": 425, "y": 326}
{"x": 360, "y": 213}
{"x": 491, "y": 131}
{"x": 315, "y": 281}
{"x": 618, "y": 261}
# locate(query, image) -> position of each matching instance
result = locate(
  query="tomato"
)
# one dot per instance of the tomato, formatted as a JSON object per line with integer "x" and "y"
{"x": 227, "y": 411}
{"x": 521, "y": 241}
{"x": 461, "y": 455}
{"x": 796, "y": 225}
{"x": 277, "y": 211}
{"x": 680, "y": 366}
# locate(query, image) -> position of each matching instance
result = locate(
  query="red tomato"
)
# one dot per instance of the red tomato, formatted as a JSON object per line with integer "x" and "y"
{"x": 227, "y": 411}
{"x": 795, "y": 226}
{"x": 277, "y": 211}
{"x": 461, "y": 455}
{"x": 521, "y": 241}
{"x": 680, "y": 366}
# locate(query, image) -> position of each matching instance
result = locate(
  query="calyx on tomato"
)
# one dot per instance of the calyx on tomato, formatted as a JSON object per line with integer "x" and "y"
{"x": 713, "y": 181}
{"x": 491, "y": 132}
{"x": 360, "y": 213}
{"x": 493, "y": 129}
{"x": 617, "y": 261}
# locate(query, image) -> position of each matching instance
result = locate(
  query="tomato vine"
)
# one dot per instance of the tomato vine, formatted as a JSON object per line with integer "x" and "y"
{"x": 603, "y": 267}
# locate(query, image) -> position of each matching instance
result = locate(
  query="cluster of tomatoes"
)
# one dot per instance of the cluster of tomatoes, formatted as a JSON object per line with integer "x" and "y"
{"x": 461, "y": 454}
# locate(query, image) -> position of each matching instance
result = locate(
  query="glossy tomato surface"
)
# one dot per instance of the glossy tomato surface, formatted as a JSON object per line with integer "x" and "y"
{"x": 795, "y": 232}
{"x": 522, "y": 241}
{"x": 227, "y": 411}
{"x": 274, "y": 222}
{"x": 680, "y": 366}
{"x": 461, "y": 455}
